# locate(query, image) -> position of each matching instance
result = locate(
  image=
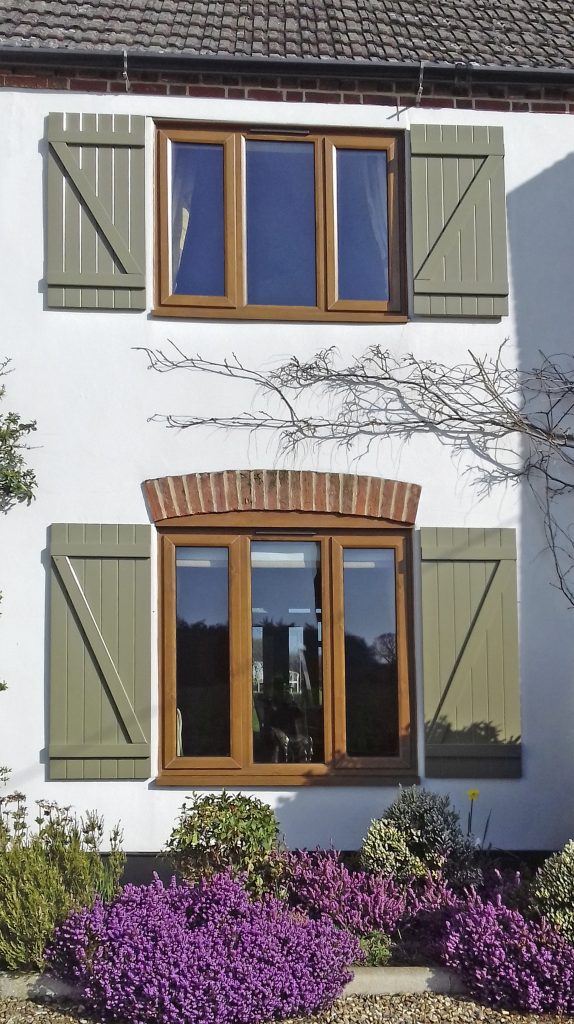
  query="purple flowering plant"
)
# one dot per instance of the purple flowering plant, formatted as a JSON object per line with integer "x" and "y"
{"x": 203, "y": 955}
{"x": 508, "y": 961}
{"x": 321, "y": 884}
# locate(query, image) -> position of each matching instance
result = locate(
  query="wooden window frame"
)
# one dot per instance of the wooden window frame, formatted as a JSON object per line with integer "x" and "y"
{"x": 233, "y": 305}
{"x": 333, "y": 533}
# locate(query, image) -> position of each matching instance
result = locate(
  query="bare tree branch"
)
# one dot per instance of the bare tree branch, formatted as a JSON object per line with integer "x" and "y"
{"x": 519, "y": 423}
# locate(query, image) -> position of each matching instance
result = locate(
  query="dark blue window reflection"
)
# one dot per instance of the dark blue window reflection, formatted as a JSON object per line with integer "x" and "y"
{"x": 371, "y": 678}
{"x": 202, "y": 652}
{"x": 362, "y": 229}
{"x": 197, "y": 219}
{"x": 281, "y": 224}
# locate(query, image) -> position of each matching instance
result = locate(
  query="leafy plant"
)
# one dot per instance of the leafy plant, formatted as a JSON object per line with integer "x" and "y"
{"x": 17, "y": 482}
{"x": 376, "y": 947}
{"x": 385, "y": 850}
{"x": 206, "y": 954}
{"x": 226, "y": 832}
{"x": 433, "y": 834}
{"x": 320, "y": 884}
{"x": 46, "y": 873}
{"x": 552, "y": 891}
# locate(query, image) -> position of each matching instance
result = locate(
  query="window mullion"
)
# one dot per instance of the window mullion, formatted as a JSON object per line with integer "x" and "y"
{"x": 241, "y": 679}
{"x": 338, "y": 650}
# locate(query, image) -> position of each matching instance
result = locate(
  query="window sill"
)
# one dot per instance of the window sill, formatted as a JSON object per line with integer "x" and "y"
{"x": 274, "y": 780}
{"x": 279, "y": 315}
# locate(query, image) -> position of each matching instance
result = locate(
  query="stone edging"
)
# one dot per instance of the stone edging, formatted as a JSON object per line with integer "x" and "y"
{"x": 372, "y": 981}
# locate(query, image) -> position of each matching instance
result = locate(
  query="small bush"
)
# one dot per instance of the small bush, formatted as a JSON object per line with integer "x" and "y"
{"x": 385, "y": 851}
{"x": 203, "y": 955}
{"x": 376, "y": 947}
{"x": 321, "y": 885}
{"x": 225, "y": 832}
{"x": 431, "y": 830}
{"x": 46, "y": 874}
{"x": 552, "y": 891}
{"x": 505, "y": 960}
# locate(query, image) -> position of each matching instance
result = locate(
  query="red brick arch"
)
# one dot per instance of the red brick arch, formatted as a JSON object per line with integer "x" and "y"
{"x": 281, "y": 490}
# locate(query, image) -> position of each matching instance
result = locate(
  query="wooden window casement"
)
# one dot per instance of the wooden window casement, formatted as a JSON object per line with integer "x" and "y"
{"x": 286, "y": 224}
{"x": 286, "y": 651}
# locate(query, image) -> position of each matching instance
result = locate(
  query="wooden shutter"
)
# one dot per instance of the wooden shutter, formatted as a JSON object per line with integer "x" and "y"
{"x": 470, "y": 653}
{"x": 96, "y": 205}
{"x": 459, "y": 221}
{"x": 100, "y": 652}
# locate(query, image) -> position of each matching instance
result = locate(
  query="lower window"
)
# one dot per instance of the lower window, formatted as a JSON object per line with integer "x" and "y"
{"x": 285, "y": 656}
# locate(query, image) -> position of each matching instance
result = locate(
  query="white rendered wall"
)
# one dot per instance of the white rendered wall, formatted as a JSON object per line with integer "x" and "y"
{"x": 80, "y": 375}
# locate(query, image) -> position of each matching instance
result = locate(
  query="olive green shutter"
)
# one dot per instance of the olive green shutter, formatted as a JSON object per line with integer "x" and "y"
{"x": 459, "y": 221}
{"x": 470, "y": 653}
{"x": 100, "y": 642}
{"x": 96, "y": 205}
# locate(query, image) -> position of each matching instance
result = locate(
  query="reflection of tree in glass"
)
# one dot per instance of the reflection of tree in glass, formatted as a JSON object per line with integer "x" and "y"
{"x": 371, "y": 689}
{"x": 203, "y": 687}
{"x": 385, "y": 648}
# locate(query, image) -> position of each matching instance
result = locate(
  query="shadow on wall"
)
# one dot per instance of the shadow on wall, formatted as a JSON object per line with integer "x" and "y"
{"x": 541, "y": 245}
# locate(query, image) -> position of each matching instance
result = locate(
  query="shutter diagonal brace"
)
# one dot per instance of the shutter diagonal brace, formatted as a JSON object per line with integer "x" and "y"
{"x": 100, "y": 215}
{"x": 457, "y": 219}
{"x": 99, "y": 649}
{"x": 477, "y": 624}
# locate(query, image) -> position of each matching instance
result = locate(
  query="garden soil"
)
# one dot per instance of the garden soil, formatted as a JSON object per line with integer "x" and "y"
{"x": 400, "y": 1009}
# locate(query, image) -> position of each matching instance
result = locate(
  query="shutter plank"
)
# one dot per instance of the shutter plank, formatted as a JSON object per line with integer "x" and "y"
{"x": 470, "y": 655}
{"x": 72, "y": 222}
{"x": 100, "y": 614}
{"x": 106, "y": 263}
{"x": 96, "y": 243}
{"x": 89, "y": 242}
{"x": 458, "y": 183}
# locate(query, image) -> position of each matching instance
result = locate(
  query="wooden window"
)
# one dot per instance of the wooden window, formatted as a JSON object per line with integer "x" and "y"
{"x": 286, "y": 651}
{"x": 280, "y": 225}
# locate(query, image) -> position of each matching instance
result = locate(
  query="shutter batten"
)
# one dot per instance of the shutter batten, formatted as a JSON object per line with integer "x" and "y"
{"x": 96, "y": 206}
{"x": 459, "y": 221}
{"x": 470, "y": 653}
{"x": 100, "y": 652}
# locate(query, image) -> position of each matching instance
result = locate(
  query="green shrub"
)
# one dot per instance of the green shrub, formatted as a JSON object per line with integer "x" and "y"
{"x": 553, "y": 891}
{"x": 47, "y": 873}
{"x": 431, "y": 830}
{"x": 385, "y": 851}
{"x": 226, "y": 832}
{"x": 377, "y": 949}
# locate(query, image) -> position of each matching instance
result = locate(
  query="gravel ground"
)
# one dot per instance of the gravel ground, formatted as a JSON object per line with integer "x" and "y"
{"x": 403, "y": 1009}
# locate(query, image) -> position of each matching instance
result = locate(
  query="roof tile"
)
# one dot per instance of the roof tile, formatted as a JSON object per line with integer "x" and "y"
{"x": 516, "y": 33}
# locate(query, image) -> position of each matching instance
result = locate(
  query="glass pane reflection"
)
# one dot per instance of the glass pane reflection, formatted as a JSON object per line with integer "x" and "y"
{"x": 281, "y": 223}
{"x": 287, "y": 668}
{"x": 371, "y": 678}
{"x": 202, "y": 652}
{"x": 362, "y": 231}
{"x": 197, "y": 219}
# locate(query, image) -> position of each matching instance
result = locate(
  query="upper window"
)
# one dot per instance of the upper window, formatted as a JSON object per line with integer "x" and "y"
{"x": 292, "y": 225}
{"x": 285, "y": 653}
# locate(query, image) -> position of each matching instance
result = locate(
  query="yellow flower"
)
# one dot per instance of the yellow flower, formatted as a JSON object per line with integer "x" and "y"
{"x": 473, "y": 794}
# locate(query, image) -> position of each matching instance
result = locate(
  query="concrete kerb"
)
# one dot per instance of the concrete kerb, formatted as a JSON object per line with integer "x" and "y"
{"x": 371, "y": 981}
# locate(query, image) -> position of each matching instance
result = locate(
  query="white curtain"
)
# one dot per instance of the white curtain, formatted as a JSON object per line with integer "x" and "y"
{"x": 183, "y": 179}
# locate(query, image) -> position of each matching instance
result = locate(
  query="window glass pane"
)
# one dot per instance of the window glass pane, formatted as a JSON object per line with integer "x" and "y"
{"x": 287, "y": 669}
{"x": 371, "y": 679}
{"x": 362, "y": 231}
{"x": 197, "y": 219}
{"x": 202, "y": 652}
{"x": 281, "y": 224}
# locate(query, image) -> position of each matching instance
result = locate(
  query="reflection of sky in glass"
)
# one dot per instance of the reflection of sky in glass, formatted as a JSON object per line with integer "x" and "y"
{"x": 362, "y": 233}
{"x": 197, "y": 219}
{"x": 369, "y": 585}
{"x": 202, "y": 585}
{"x": 281, "y": 223}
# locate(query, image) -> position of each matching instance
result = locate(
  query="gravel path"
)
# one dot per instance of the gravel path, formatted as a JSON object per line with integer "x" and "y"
{"x": 403, "y": 1009}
